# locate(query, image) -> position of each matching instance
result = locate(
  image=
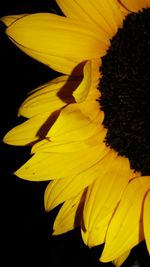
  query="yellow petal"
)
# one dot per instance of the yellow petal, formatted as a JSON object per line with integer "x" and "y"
{"x": 147, "y": 3}
{"x": 82, "y": 90}
{"x": 8, "y": 20}
{"x": 48, "y": 166}
{"x": 64, "y": 146}
{"x": 134, "y": 174}
{"x": 98, "y": 13}
{"x": 57, "y": 93}
{"x": 60, "y": 190}
{"x": 124, "y": 10}
{"x": 112, "y": 13}
{"x": 49, "y": 34}
{"x": 146, "y": 219}
{"x": 30, "y": 131}
{"x": 48, "y": 146}
{"x": 72, "y": 125}
{"x": 125, "y": 230}
{"x": 134, "y": 5}
{"x": 60, "y": 64}
{"x": 103, "y": 195}
{"x": 96, "y": 75}
{"x": 69, "y": 215}
{"x": 91, "y": 109}
{"x": 46, "y": 97}
{"x": 119, "y": 261}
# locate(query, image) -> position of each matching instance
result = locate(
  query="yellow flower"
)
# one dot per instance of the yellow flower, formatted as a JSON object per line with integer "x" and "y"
{"x": 88, "y": 128}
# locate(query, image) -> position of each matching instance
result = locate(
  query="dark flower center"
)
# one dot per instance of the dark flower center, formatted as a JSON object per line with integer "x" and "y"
{"x": 125, "y": 91}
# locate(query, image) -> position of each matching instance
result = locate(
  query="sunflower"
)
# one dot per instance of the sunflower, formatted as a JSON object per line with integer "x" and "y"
{"x": 89, "y": 127}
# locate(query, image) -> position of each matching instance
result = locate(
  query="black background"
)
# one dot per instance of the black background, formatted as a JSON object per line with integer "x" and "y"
{"x": 26, "y": 231}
